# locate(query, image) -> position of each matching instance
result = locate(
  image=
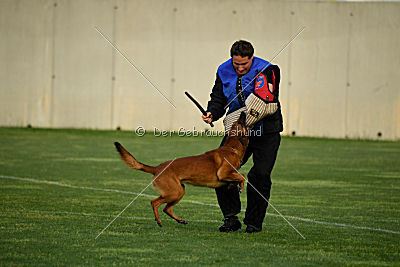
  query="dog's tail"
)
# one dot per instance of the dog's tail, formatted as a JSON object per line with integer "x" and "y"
{"x": 131, "y": 161}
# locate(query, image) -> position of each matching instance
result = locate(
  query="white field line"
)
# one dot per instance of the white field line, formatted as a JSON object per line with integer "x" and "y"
{"x": 89, "y": 159}
{"x": 208, "y": 221}
{"x": 340, "y": 225}
{"x": 90, "y": 214}
{"x": 135, "y": 198}
{"x": 71, "y": 186}
{"x": 94, "y": 188}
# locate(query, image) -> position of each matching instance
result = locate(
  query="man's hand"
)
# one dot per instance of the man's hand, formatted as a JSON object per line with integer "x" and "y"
{"x": 207, "y": 119}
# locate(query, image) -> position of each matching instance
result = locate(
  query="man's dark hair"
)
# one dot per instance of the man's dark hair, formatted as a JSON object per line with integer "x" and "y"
{"x": 242, "y": 48}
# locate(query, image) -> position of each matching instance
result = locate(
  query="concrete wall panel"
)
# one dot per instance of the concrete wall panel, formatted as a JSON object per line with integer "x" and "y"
{"x": 374, "y": 71}
{"x": 204, "y": 37}
{"x": 339, "y": 77}
{"x": 25, "y": 56}
{"x": 83, "y": 64}
{"x": 317, "y": 79}
{"x": 143, "y": 32}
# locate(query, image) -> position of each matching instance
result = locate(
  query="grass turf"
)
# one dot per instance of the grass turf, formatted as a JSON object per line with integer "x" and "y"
{"x": 342, "y": 195}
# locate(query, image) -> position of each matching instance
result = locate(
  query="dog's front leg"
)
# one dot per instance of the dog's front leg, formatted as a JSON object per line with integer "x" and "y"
{"x": 227, "y": 175}
{"x": 236, "y": 177}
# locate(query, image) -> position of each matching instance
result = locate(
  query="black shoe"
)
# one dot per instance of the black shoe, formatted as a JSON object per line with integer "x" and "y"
{"x": 231, "y": 224}
{"x": 252, "y": 229}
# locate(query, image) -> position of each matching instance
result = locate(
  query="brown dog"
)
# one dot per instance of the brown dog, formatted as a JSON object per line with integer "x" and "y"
{"x": 211, "y": 169}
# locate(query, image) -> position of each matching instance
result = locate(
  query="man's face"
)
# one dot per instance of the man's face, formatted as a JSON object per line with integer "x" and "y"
{"x": 242, "y": 64}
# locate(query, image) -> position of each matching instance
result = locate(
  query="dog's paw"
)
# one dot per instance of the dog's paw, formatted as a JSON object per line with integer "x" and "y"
{"x": 158, "y": 223}
{"x": 182, "y": 221}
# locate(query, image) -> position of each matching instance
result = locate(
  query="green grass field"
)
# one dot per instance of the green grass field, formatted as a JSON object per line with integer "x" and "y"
{"x": 60, "y": 188}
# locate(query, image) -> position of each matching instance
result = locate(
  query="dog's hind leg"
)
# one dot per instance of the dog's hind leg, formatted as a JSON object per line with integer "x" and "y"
{"x": 155, "y": 203}
{"x": 168, "y": 210}
{"x": 172, "y": 200}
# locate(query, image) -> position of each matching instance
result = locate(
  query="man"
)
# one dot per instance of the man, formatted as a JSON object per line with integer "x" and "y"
{"x": 236, "y": 79}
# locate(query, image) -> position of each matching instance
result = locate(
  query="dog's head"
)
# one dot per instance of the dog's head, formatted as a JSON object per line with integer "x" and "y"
{"x": 239, "y": 130}
{"x": 242, "y": 119}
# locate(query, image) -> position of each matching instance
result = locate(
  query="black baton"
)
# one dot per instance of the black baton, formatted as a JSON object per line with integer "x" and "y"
{"x": 199, "y": 106}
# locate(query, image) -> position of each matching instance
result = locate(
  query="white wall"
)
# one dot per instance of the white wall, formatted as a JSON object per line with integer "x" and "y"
{"x": 340, "y": 77}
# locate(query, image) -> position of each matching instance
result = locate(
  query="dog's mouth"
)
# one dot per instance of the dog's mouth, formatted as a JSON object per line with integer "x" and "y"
{"x": 243, "y": 124}
{"x": 242, "y": 119}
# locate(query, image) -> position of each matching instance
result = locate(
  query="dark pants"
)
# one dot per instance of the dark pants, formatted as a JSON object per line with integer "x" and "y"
{"x": 264, "y": 150}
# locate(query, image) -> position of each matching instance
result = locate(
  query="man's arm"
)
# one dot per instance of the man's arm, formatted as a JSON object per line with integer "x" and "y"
{"x": 217, "y": 102}
{"x": 273, "y": 75}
